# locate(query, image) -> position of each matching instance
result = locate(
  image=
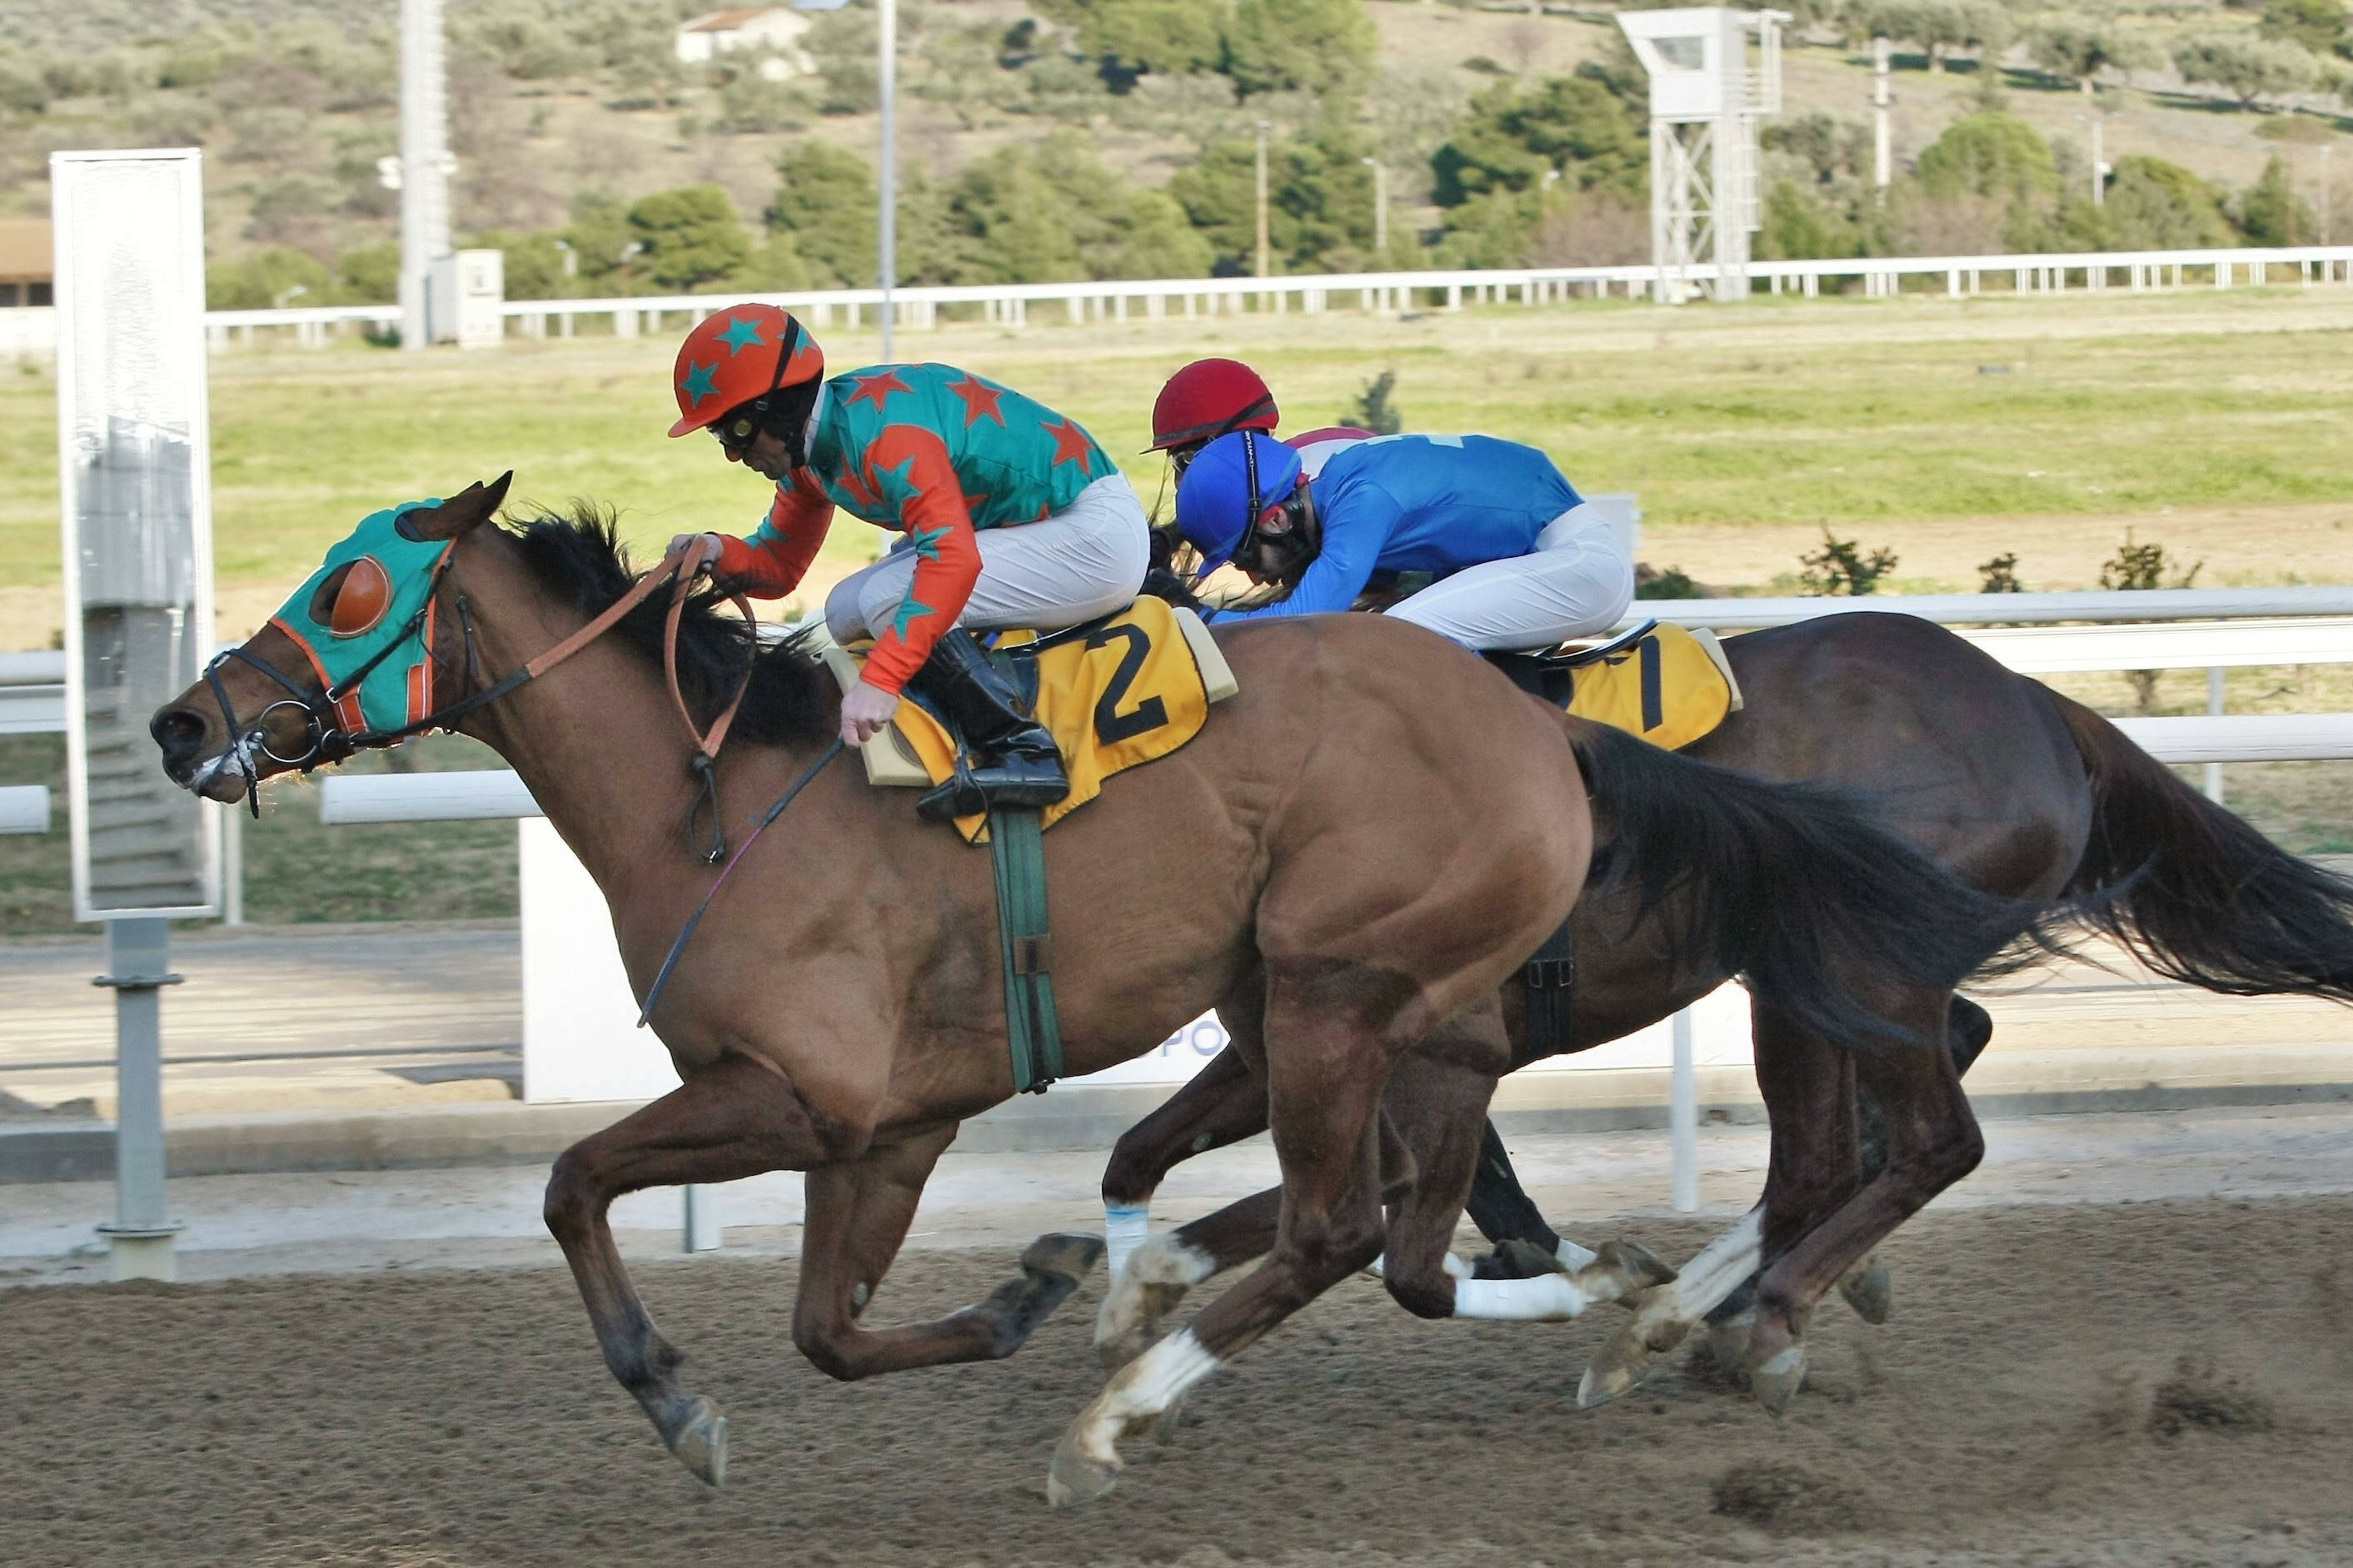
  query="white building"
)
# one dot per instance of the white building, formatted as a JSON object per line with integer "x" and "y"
{"x": 773, "y": 28}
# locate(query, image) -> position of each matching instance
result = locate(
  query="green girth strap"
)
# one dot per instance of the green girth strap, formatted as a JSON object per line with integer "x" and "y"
{"x": 1017, "y": 850}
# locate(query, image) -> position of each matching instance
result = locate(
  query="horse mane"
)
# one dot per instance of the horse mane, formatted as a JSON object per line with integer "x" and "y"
{"x": 578, "y": 556}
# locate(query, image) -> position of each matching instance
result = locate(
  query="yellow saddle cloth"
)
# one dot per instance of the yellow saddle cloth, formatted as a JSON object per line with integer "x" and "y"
{"x": 1132, "y": 689}
{"x": 1667, "y": 684}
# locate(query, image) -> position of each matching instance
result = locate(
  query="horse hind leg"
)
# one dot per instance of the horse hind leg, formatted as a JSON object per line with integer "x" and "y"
{"x": 856, "y": 1220}
{"x": 1932, "y": 1142}
{"x": 735, "y": 1120}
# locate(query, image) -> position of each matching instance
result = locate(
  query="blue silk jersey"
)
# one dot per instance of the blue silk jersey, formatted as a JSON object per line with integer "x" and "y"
{"x": 1421, "y": 503}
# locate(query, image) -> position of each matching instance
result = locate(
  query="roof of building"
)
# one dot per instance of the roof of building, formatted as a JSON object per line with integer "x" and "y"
{"x": 728, "y": 21}
{"x": 24, "y": 253}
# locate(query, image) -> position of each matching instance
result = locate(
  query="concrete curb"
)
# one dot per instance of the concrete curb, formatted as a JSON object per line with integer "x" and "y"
{"x": 2029, "y": 1083}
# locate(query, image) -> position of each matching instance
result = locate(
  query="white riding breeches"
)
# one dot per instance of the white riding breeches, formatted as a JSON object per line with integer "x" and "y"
{"x": 1085, "y": 561}
{"x": 1576, "y": 582}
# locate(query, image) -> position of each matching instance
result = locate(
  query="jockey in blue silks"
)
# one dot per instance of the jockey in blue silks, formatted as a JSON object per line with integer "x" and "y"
{"x": 1520, "y": 560}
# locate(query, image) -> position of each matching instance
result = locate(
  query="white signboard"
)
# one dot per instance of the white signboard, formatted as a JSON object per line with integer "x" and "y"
{"x": 581, "y": 1042}
{"x": 133, "y": 445}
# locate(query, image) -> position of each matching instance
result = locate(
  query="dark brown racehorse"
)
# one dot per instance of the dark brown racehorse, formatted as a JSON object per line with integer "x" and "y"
{"x": 2017, "y": 789}
{"x": 1347, "y": 863}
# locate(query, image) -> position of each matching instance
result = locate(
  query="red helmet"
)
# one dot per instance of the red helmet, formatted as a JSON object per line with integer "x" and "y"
{"x": 1208, "y": 398}
{"x": 738, "y": 354}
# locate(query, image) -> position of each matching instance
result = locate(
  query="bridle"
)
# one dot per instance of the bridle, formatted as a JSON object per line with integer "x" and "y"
{"x": 330, "y": 740}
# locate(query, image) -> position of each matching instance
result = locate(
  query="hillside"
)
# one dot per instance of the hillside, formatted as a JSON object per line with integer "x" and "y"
{"x": 565, "y": 115}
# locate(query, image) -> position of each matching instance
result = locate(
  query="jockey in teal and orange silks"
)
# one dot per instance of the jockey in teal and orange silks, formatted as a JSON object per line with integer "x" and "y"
{"x": 1011, "y": 516}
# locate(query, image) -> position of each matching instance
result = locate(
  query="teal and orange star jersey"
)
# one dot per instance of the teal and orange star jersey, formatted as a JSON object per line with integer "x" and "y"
{"x": 932, "y": 452}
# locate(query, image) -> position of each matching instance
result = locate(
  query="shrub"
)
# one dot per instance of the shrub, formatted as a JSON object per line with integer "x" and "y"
{"x": 1999, "y": 575}
{"x": 1839, "y": 567}
{"x": 1374, "y": 409}
{"x": 1989, "y": 155}
{"x": 690, "y": 236}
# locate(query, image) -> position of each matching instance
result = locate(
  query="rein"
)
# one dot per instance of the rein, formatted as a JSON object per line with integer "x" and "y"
{"x": 331, "y": 742}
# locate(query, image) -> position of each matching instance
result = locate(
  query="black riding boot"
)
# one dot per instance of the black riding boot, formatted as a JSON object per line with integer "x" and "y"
{"x": 1015, "y": 761}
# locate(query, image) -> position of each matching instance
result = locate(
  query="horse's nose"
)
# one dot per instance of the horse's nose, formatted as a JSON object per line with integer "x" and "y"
{"x": 177, "y": 732}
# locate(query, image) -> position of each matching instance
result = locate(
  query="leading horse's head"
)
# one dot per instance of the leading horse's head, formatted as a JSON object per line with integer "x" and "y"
{"x": 348, "y": 662}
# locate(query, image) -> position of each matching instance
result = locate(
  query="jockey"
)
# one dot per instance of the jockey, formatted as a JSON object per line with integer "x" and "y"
{"x": 1213, "y": 397}
{"x": 1011, "y": 516}
{"x": 1521, "y": 560}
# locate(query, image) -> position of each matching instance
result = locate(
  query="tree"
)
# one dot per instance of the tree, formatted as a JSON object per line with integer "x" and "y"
{"x": 2316, "y": 24}
{"x": 1322, "y": 47}
{"x": 1799, "y": 225}
{"x": 2247, "y": 68}
{"x": 827, "y": 203}
{"x": 2155, "y": 206}
{"x": 1989, "y": 155}
{"x": 371, "y": 273}
{"x": 1510, "y": 138}
{"x": 2272, "y": 213}
{"x": 1319, "y": 200}
{"x": 267, "y": 280}
{"x": 2080, "y": 49}
{"x": 688, "y": 238}
{"x": 1939, "y": 27}
{"x": 534, "y": 263}
{"x": 1138, "y": 37}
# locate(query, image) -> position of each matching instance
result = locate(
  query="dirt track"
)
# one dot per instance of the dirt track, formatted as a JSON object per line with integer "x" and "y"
{"x": 2028, "y": 1404}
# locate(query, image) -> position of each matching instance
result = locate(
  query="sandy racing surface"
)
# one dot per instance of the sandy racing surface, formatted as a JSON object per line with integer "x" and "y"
{"x": 2158, "y": 1383}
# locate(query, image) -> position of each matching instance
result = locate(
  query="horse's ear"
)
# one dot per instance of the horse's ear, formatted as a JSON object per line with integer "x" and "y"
{"x": 468, "y": 509}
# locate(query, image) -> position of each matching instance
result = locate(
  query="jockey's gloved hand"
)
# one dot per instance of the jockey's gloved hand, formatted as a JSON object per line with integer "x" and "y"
{"x": 708, "y": 562}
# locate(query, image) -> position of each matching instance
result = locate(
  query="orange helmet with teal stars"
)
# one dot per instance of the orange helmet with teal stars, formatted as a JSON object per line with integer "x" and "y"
{"x": 740, "y": 355}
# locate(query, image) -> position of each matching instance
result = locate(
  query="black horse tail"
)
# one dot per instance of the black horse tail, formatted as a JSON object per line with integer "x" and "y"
{"x": 2192, "y": 890}
{"x": 1797, "y": 887}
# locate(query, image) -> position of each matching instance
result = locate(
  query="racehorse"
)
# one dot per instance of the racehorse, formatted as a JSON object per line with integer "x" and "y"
{"x": 2015, "y": 788}
{"x": 1347, "y": 863}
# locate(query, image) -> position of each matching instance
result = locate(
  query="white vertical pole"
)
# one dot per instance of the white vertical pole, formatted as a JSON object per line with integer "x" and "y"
{"x": 2099, "y": 161}
{"x": 2214, "y": 705}
{"x": 1682, "y": 1117}
{"x": 233, "y": 866}
{"x": 424, "y": 161}
{"x": 1263, "y": 266}
{"x": 1883, "y": 148}
{"x": 138, "y": 1238}
{"x": 887, "y": 44}
{"x": 702, "y": 1219}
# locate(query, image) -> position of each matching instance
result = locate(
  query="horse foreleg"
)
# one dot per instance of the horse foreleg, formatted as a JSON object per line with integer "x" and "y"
{"x": 1221, "y": 1104}
{"x": 855, "y": 1219}
{"x": 1327, "y": 1065}
{"x": 1438, "y": 1099}
{"x": 1163, "y": 1268}
{"x": 733, "y": 1121}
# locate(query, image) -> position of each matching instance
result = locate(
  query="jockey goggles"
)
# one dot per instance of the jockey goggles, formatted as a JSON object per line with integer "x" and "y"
{"x": 1227, "y": 480}
{"x": 785, "y": 417}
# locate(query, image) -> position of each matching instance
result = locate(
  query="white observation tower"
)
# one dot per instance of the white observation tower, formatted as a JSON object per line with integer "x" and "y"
{"x": 1706, "y": 96}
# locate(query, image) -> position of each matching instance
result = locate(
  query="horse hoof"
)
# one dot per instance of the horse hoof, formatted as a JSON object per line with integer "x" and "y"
{"x": 1636, "y": 1265}
{"x": 1870, "y": 1291}
{"x": 700, "y": 1442}
{"x": 1074, "y": 1478}
{"x": 1515, "y": 1259}
{"x": 1624, "y": 1361}
{"x": 1073, "y": 1257}
{"x": 1775, "y": 1381}
{"x": 1163, "y": 1430}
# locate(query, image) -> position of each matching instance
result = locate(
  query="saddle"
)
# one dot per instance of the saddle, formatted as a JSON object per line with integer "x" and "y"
{"x": 1670, "y": 685}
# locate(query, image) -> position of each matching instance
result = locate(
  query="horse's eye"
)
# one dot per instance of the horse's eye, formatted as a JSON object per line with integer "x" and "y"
{"x": 353, "y": 598}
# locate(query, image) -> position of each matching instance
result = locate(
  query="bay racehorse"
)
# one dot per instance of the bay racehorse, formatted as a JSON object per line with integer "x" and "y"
{"x": 2019, "y": 790}
{"x": 1347, "y": 863}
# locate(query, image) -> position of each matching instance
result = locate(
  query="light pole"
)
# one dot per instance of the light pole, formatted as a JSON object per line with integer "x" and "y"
{"x": 424, "y": 163}
{"x": 1380, "y": 205}
{"x": 2328, "y": 230}
{"x": 2099, "y": 123}
{"x": 1882, "y": 149}
{"x": 1263, "y": 263}
{"x": 886, "y": 71}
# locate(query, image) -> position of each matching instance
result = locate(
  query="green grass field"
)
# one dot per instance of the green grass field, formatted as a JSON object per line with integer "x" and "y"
{"x": 2216, "y": 422}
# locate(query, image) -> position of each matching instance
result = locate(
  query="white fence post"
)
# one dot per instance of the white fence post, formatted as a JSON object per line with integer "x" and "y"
{"x": 1682, "y": 1116}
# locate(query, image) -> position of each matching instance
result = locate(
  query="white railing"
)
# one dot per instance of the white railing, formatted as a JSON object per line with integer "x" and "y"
{"x": 32, "y": 693}
{"x": 1009, "y": 304}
